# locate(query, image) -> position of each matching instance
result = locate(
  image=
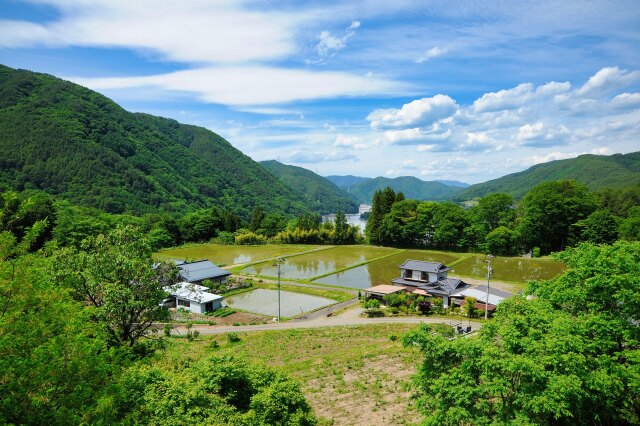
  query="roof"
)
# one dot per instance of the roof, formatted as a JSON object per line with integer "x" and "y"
{"x": 445, "y": 287}
{"x": 480, "y": 293}
{"x": 202, "y": 270}
{"x": 192, "y": 292}
{"x": 423, "y": 266}
{"x": 420, "y": 292}
{"x": 384, "y": 289}
{"x": 403, "y": 282}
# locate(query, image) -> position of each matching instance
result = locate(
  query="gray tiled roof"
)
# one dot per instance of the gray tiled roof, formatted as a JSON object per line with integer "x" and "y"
{"x": 420, "y": 265}
{"x": 445, "y": 287}
{"x": 198, "y": 271}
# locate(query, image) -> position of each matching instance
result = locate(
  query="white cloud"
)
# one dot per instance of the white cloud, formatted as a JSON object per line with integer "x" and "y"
{"x": 329, "y": 44}
{"x": 309, "y": 157}
{"x": 419, "y": 112}
{"x": 355, "y": 142}
{"x": 415, "y": 136}
{"x": 251, "y": 85}
{"x": 504, "y": 99}
{"x": 607, "y": 80}
{"x": 220, "y": 32}
{"x": 431, "y": 53}
{"x": 538, "y": 134}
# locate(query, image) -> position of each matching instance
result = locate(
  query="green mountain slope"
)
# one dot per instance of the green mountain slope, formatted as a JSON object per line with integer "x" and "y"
{"x": 345, "y": 182}
{"x": 596, "y": 171}
{"x": 319, "y": 192}
{"x": 77, "y": 144}
{"x": 412, "y": 187}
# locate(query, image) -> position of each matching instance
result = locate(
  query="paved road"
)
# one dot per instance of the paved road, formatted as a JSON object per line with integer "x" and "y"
{"x": 324, "y": 322}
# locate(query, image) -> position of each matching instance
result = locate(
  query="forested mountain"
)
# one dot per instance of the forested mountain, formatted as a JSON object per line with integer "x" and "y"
{"x": 345, "y": 182}
{"x": 412, "y": 187}
{"x": 74, "y": 143}
{"x": 454, "y": 183}
{"x": 320, "y": 193}
{"x": 595, "y": 171}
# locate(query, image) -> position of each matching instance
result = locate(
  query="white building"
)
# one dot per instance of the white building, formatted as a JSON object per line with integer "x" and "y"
{"x": 193, "y": 297}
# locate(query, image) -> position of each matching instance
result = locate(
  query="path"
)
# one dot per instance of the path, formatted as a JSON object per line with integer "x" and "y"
{"x": 337, "y": 321}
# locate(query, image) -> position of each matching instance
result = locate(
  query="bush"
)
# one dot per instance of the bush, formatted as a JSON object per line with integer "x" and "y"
{"x": 214, "y": 344}
{"x": 166, "y": 329}
{"x": 250, "y": 238}
{"x": 535, "y": 252}
{"x": 233, "y": 337}
{"x": 374, "y": 313}
{"x": 372, "y": 304}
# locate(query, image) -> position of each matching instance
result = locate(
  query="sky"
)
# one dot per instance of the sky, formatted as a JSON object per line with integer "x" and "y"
{"x": 464, "y": 90}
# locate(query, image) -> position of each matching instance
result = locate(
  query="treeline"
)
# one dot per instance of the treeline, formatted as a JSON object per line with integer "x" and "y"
{"x": 67, "y": 225}
{"x": 550, "y": 217}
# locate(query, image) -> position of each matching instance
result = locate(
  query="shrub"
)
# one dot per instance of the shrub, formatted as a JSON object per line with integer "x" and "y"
{"x": 166, "y": 329}
{"x": 372, "y": 304}
{"x": 374, "y": 313}
{"x": 233, "y": 337}
{"x": 214, "y": 344}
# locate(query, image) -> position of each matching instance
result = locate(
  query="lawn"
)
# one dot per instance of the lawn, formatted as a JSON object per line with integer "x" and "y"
{"x": 350, "y": 375}
{"x": 230, "y": 254}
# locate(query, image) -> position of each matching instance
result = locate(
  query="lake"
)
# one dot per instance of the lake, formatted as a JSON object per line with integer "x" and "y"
{"x": 265, "y": 302}
{"x": 352, "y": 219}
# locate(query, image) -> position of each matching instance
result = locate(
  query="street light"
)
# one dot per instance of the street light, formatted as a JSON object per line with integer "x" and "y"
{"x": 279, "y": 261}
{"x": 489, "y": 272}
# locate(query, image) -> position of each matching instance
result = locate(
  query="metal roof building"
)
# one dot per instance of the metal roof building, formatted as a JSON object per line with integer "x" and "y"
{"x": 196, "y": 272}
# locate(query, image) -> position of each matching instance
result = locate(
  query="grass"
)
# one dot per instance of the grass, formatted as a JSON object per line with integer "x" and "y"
{"x": 329, "y": 293}
{"x": 350, "y": 375}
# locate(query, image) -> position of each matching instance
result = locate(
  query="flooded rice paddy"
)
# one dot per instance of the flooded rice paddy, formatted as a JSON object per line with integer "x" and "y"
{"x": 511, "y": 269}
{"x": 265, "y": 302}
{"x": 383, "y": 270}
{"x": 322, "y": 262}
{"x": 232, "y": 255}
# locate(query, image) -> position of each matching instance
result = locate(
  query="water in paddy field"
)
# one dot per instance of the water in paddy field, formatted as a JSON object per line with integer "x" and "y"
{"x": 318, "y": 263}
{"x": 265, "y": 302}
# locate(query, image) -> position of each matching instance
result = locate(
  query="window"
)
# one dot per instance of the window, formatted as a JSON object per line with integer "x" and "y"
{"x": 184, "y": 303}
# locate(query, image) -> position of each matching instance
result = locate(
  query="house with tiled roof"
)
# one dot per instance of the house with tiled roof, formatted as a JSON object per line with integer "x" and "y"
{"x": 431, "y": 279}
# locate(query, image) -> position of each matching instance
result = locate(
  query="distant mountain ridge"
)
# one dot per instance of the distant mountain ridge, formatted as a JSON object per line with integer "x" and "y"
{"x": 76, "y": 144}
{"x": 595, "y": 171}
{"x": 412, "y": 187}
{"x": 320, "y": 193}
{"x": 345, "y": 182}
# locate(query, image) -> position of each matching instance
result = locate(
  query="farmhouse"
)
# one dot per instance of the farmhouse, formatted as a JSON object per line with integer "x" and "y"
{"x": 431, "y": 279}
{"x": 193, "y": 297}
{"x": 197, "y": 272}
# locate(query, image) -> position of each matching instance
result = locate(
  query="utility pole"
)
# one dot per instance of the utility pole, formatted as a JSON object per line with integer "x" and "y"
{"x": 279, "y": 262}
{"x": 489, "y": 272}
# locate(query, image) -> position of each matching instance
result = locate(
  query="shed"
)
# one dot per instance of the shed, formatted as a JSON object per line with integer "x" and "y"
{"x": 379, "y": 291}
{"x": 194, "y": 297}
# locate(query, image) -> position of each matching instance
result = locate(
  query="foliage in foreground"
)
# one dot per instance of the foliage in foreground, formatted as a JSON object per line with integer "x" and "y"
{"x": 568, "y": 356}
{"x": 67, "y": 360}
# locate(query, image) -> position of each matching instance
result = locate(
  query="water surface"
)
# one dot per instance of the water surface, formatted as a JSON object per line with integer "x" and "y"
{"x": 232, "y": 255}
{"x": 514, "y": 269}
{"x": 382, "y": 271}
{"x": 265, "y": 302}
{"x": 320, "y": 262}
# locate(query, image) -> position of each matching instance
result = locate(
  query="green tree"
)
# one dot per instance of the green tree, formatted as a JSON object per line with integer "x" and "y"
{"x": 502, "y": 241}
{"x": 256, "y": 219}
{"x": 117, "y": 275}
{"x": 600, "y": 227}
{"x": 549, "y": 210}
{"x": 372, "y": 230}
{"x": 569, "y": 355}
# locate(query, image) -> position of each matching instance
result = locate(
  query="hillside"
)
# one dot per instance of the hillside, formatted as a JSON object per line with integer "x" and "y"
{"x": 412, "y": 187}
{"x": 74, "y": 143}
{"x": 345, "y": 182}
{"x": 320, "y": 193}
{"x": 596, "y": 171}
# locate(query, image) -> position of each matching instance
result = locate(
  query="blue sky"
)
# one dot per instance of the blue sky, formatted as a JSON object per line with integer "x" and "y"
{"x": 465, "y": 90}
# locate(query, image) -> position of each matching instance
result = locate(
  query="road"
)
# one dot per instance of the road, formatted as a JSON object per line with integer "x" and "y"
{"x": 346, "y": 319}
